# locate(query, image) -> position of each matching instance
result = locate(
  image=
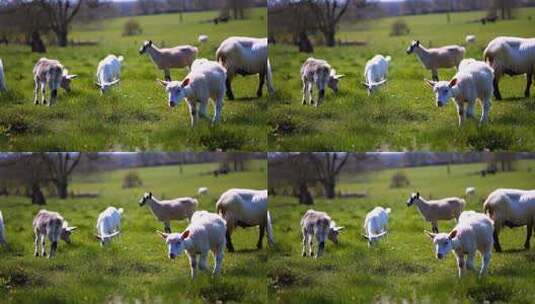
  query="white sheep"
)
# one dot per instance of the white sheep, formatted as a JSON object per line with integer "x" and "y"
{"x": 51, "y": 225}
{"x": 472, "y": 233}
{"x": 470, "y": 191}
{"x": 108, "y": 72}
{"x": 3, "y": 241}
{"x": 169, "y": 58}
{"x": 202, "y": 191}
{"x": 245, "y": 208}
{"x": 375, "y": 72}
{"x": 206, "y": 80}
{"x": 52, "y": 73}
{"x": 470, "y": 39}
{"x": 205, "y": 233}
{"x": 203, "y": 39}
{"x": 436, "y": 210}
{"x": 511, "y": 208}
{"x": 375, "y": 225}
{"x": 473, "y": 81}
{"x": 433, "y": 59}
{"x": 317, "y": 72}
{"x": 3, "y": 86}
{"x": 168, "y": 210}
{"x": 245, "y": 56}
{"x": 108, "y": 224}
{"x": 319, "y": 225}
{"x": 511, "y": 56}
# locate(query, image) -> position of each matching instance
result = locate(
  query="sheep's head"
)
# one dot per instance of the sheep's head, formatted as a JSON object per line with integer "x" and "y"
{"x": 66, "y": 232}
{"x": 146, "y": 196}
{"x": 175, "y": 242}
{"x": 333, "y": 80}
{"x": 373, "y": 239}
{"x": 106, "y": 239}
{"x": 413, "y": 198}
{"x": 145, "y": 46}
{"x": 443, "y": 242}
{"x": 175, "y": 90}
{"x": 414, "y": 44}
{"x": 443, "y": 90}
{"x": 372, "y": 87}
{"x": 333, "y": 232}
{"x": 66, "y": 80}
{"x": 104, "y": 87}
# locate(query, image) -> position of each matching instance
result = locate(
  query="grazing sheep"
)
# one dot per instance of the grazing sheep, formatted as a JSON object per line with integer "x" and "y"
{"x": 470, "y": 39}
{"x": 473, "y": 81}
{"x": 472, "y": 233}
{"x": 203, "y": 38}
{"x": 511, "y": 56}
{"x": 511, "y": 208}
{"x": 375, "y": 72}
{"x": 245, "y": 208}
{"x": 3, "y": 86}
{"x": 3, "y": 241}
{"x": 108, "y": 224}
{"x": 166, "y": 211}
{"x": 318, "y": 224}
{"x": 433, "y": 59}
{"x": 108, "y": 72}
{"x": 436, "y": 210}
{"x": 206, "y": 232}
{"x": 51, "y": 225}
{"x": 202, "y": 191}
{"x": 206, "y": 80}
{"x": 52, "y": 73}
{"x": 319, "y": 73}
{"x": 470, "y": 191}
{"x": 166, "y": 59}
{"x": 375, "y": 225}
{"x": 245, "y": 56}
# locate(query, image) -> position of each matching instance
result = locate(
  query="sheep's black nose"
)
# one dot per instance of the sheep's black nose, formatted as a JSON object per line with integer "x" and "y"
{"x": 439, "y": 104}
{"x": 172, "y": 256}
{"x": 439, "y": 256}
{"x": 172, "y": 104}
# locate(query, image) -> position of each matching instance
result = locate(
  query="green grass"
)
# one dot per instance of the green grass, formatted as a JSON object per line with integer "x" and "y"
{"x": 135, "y": 266}
{"x": 402, "y": 267}
{"x": 402, "y": 115}
{"x": 134, "y": 115}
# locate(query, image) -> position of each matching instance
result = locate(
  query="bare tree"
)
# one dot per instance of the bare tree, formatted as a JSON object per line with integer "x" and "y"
{"x": 27, "y": 19}
{"x": 60, "y": 15}
{"x": 25, "y": 170}
{"x": 328, "y": 166}
{"x": 292, "y": 170}
{"x": 328, "y": 13}
{"x": 505, "y": 7}
{"x": 237, "y": 8}
{"x": 61, "y": 166}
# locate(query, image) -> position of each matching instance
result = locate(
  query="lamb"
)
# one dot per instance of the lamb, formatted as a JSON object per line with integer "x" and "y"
{"x": 245, "y": 56}
{"x": 470, "y": 39}
{"x": 511, "y": 56}
{"x": 470, "y": 191}
{"x": 203, "y": 39}
{"x": 51, "y": 225}
{"x": 245, "y": 208}
{"x": 319, "y": 225}
{"x": 375, "y": 72}
{"x": 436, "y": 210}
{"x": 319, "y": 73}
{"x": 168, "y": 210}
{"x": 206, "y": 232}
{"x": 375, "y": 225}
{"x": 108, "y": 72}
{"x": 52, "y": 73}
{"x": 202, "y": 191}
{"x": 3, "y": 87}
{"x": 472, "y": 233}
{"x": 3, "y": 241}
{"x": 472, "y": 81}
{"x": 206, "y": 80}
{"x": 433, "y": 59}
{"x": 169, "y": 58}
{"x": 108, "y": 224}
{"x": 511, "y": 208}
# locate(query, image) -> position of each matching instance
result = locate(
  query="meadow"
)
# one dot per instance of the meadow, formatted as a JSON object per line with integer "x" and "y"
{"x": 135, "y": 267}
{"x": 134, "y": 115}
{"x": 403, "y": 267}
{"x": 403, "y": 114}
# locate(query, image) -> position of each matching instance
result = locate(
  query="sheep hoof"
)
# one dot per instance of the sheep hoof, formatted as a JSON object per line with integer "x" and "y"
{"x": 526, "y": 246}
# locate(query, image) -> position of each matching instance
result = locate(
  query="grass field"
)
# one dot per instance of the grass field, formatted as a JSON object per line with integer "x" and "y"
{"x": 134, "y": 115}
{"x": 135, "y": 266}
{"x": 403, "y": 266}
{"x": 403, "y": 115}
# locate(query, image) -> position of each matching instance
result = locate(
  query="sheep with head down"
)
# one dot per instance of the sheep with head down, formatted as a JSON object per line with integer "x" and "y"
{"x": 318, "y": 73}
{"x": 51, "y": 225}
{"x": 319, "y": 225}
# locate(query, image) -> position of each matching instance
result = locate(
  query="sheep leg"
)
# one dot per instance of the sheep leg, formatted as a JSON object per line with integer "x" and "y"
{"x": 43, "y": 244}
{"x": 203, "y": 261}
{"x": 497, "y": 245}
{"x": 321, "y": 245}
{"x": 218, "y": 260}
{"x": 460, "y": 264}
{"x": 434, "y": 74}
{"x": 485, "y": 263}
{"x": 321, "y": 95}
{"x": 305, "y": 241}
{"x": 167, "y": 227}
{"x": 261, "y": 78}
{"x": 230, "y": 247}
{"x": 495, "y": 83}
{"x": 37, "y": 239}
{"x": 529, "y": 230}
{"x": 203, "y": 108}
{"x": 218, "y": 109}
{"x": 53, "y": 248}
{"x": 486, "y": 109}
{"x": 36, "y": 92}
{"x": 470, "y": 109}
{"x": 470, "y": 261}
{"x": 310, "y": 245}
{"x": 43, "y": 93}
{"x": 305, "y": 92}
{"x": 460, "y": 113}
{"x": 193, "y": 264}
{"x": 529, "y": 78}
{"x": 228, "y": 84}
{"x": 434, "y": 227}
{"x": 192, "y": 112}
{"x": 261, "y": 230}
{"x": 167, "y": 75}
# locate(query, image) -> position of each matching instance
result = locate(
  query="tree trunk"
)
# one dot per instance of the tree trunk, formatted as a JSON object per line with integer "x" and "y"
{"x": 37, "y": 43}
{"x": 305, "y": 198}
{"x": 329, "y": 188}
{"x": 61, "y": 37}
{"x": 329, "y": 35}
{"x": 304, "y": 44}
{"x": 62, "y": 189}
{"x": 37, "y": 195}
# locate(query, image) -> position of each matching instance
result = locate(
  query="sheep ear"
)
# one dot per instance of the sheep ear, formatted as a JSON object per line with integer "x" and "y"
{"x": 98, "y": 237}
{"x": 72, "y": 76}
{"x": 97, "y": 84}
{"x": 339, "y": 76}
{"x": 150, "y": 42}
{"x": 150, "y": 194}
{"x": 381, "y": 234}
{"x": 339, "y": 228}
{"x": 184, "y": 235}
{"x": 114, "y": 82}
{"x": 430, "y": 83}
{"x": 382, "y": 82}
{"x": 162, "y": 82}
{"x": 430, "y": 234}
{"x": 365, "y": 237}
{"x": 365, "y": 85}
{"x": 162, "y": 234}
{"x": 417, "y": 42}
{"x": 185, "y": 82}
{"x": 417, "y": 194}
{"x": 452, "y": 234}
{"x": 453, "y": 82}
{"x": 71, "y": 229}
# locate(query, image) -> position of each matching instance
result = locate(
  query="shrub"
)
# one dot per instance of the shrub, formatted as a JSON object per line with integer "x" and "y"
{"x": 399, "y": 28}
{"x": 399, "y": 180}
{"x": 132, "y": 28}
{"x": 132, "y": 180}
